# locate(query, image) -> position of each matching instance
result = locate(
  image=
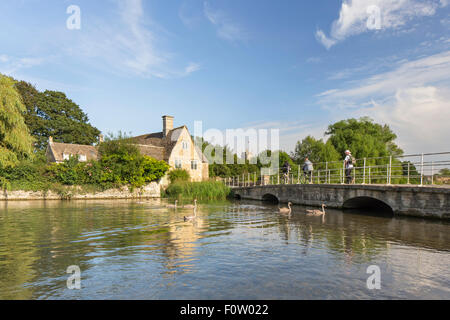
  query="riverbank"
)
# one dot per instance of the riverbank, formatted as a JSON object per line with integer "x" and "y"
{"x": 152, "y": 190}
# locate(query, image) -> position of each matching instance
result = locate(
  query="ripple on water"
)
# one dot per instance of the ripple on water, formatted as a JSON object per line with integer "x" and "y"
{"x": 231, "y": 251}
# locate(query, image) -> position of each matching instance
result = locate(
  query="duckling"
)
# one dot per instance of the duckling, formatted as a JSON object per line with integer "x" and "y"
{"x": 317, "y": 212}
{"x": 191, "y": 206}
{"x": 174, "y": 206}
{"x": 287, "y": 210}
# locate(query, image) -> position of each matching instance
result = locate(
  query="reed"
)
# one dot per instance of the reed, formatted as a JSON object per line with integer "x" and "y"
{"x": 205, "y": 190}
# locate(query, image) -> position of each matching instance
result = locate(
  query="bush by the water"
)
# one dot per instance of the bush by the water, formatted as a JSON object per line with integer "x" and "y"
{"x": 179, "y": 175}
{"x": 120, "y": 164}
{"x": 205, "y": 190}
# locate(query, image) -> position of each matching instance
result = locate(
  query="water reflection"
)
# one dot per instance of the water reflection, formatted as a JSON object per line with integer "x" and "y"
{"x": 234, "y": 250}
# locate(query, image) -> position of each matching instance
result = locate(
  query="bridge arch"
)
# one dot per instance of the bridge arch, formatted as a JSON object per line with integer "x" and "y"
{"x": 368, "y": 203}
{"x": 268, "y": 197}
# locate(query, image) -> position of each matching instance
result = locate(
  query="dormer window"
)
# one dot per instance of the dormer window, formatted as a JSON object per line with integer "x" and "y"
{"x": 66, "y": 156}
{"x": 185, "y": 145}
{"x": 82, "y": 158}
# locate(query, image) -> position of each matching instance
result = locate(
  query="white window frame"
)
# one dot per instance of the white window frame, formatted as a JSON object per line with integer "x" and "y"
{"x": 82, "y": 158}
{"x": 66, "y": 156}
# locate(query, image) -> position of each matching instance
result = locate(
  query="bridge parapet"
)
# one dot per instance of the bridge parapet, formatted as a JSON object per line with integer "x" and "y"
{"x": 401, "y": 199}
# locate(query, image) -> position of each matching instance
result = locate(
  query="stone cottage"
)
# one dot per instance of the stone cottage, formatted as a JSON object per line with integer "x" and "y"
{"x": 173, "y": 145}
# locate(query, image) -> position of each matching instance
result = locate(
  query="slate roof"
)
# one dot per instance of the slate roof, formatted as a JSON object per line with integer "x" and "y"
{"x": 154, "y": 145}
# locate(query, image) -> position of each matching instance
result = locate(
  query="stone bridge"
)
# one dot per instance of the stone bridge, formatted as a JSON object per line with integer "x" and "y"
{"x": 398, "y": 199}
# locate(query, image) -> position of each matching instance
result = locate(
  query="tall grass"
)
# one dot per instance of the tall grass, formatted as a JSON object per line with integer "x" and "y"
{"x": 205, "y": 190}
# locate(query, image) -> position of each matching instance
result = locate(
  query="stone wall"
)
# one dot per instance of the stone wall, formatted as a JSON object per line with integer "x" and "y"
{"x": 152, "y": 190}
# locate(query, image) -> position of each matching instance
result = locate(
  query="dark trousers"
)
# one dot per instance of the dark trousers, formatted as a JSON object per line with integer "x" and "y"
{"x": 348, "y": 175}
{"x": 307, "y": 176}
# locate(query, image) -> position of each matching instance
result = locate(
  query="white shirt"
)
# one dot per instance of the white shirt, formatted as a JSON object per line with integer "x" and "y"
{"x": 348, "y": 161}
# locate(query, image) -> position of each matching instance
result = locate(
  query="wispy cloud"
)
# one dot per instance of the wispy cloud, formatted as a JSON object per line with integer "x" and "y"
{"x": 130, "y": 46}
{"x": 10, "y": 65}
{"x": 394, "y": 14}
{"x": 226, "y": 28}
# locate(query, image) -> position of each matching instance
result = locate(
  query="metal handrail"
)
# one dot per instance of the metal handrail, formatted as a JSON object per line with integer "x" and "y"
{"x": 392, "y": 172}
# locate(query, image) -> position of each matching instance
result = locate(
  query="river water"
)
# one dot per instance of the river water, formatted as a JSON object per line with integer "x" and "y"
{"x": 233, "y": 250}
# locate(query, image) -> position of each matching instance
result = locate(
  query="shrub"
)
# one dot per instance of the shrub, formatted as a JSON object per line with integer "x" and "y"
{"x": 120, "y": 164}
{"x": 179, "y": 175}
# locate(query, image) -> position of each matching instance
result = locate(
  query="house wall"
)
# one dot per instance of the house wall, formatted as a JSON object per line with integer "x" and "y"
{"x": 186, "y": 156}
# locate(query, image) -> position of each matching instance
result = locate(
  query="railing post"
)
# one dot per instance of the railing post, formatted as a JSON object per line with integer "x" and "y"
{"x": 370, "y": 180}
{"x": 318, "y": 177}
{"x": 390, "y": 169}
{"x": 387, "y": 174}
{"x": 364, "y": 172}
{"x": 278, "y": 178}
{"x": 421, "y": 171}
{"x": 408, "y": 171}
{"x": 298, "y": 176}
{"x": 311, "y": 177}
{"x": 432, "y": 173}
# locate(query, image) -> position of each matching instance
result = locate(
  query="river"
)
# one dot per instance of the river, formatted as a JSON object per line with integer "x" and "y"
{"x": 130, "y": 249}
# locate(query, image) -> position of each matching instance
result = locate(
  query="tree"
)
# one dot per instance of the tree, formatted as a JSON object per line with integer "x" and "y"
{"x": 364, "y": 138}
{"x": 15, "y": 139}
{"x": 315, "y": 150}
{"x": 51, "y": 113}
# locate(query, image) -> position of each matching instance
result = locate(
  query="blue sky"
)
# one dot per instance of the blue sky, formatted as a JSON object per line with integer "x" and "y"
{"x": 293, "y": 65}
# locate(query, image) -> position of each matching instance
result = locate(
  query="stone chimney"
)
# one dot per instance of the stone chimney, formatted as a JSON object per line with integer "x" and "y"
{"x": 167, "y": 124}
{"x": 101, "y": 138}
{"x": 50, "y": 140}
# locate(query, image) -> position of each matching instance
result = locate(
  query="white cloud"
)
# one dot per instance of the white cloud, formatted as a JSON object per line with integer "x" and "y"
{"x": 414, "y": 99}
{"x": 10, "y": 65}
{"x": 420, "y": 116}
{"x": 131, "y": 45}
{"x": 394, "y": 14}
{"x": 226, "y": 28}
{"x": 322, "y": 38}
{"x": 192, "y": 67}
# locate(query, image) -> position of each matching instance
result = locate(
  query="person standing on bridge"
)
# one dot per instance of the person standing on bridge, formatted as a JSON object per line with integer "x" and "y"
{"x": 307, "y": 169}
{"x": 348, "y": 164}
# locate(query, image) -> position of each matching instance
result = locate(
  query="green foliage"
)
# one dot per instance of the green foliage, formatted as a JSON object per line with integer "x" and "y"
{"x": 15, "y": 139}
{"x": 205, "y": 190}
{"x": 179, "y": 175}
{"x": 119, "y": 165}
{"x": 364, "y": 138}
{"x": 4, "y": 184}
{"x": 51, "y": 113}
{"x": 316, "y": 150}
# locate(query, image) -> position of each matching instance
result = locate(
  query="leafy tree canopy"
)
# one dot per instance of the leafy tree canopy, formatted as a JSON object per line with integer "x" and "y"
{"x": 315, "y": 150}
{"x": 15, "y": 139}
{"x": 51, "y": 113}
{"x": 363, "y": 137}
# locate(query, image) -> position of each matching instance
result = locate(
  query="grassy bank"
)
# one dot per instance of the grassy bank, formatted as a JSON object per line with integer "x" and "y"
{"x": 205, "y": 190}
